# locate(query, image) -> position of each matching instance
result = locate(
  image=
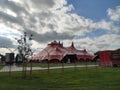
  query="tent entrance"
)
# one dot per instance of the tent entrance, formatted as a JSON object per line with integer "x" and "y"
{"x": 70, "y": 58}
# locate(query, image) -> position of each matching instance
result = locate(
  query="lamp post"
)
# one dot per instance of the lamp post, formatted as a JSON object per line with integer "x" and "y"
{"x": 24, "y": 50}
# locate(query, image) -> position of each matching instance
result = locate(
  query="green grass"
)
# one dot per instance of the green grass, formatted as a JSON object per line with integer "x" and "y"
{"x": 71, "y": 79}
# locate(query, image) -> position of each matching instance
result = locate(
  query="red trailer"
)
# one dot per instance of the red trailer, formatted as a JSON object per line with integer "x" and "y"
{"x": 109, "y": 58}
{"x": 105, "y": 59}
{"x": 115, "y": 58}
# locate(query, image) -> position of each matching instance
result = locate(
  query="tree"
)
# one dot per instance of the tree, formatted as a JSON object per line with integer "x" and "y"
{"x": 24, "y": 50}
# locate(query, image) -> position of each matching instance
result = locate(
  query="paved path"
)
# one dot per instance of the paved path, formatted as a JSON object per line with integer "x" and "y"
{"x": 15, "y": 68}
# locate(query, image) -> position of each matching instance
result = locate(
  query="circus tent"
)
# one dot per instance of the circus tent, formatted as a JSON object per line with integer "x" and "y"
{"x": 56, "y": 50}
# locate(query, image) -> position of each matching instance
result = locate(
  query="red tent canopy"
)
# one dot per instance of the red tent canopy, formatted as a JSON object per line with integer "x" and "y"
{"x": 56, "y": 50}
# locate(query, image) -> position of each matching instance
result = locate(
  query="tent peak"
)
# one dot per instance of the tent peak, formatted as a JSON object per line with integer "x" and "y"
{"x": 72, "y": 45}
{"x": 55, "y": 43}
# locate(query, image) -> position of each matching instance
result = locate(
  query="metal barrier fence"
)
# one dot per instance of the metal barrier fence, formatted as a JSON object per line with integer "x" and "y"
{"x": 31, "y": 66}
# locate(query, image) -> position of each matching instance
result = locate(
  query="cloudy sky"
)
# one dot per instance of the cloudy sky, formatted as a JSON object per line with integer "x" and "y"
{"x": 90, "y": 24}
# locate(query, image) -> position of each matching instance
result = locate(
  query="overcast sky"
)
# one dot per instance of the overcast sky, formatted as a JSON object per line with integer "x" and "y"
{"x": 90, "y": 24}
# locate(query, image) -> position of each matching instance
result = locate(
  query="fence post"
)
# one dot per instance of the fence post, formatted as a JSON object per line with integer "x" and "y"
{"x": 85, "y": 63}
{"x": 63, "y": 66}
{"x": 75, "y": 64}
{"x": 48, "y": 66}
{"x": 30, "y": 68}
{"x": 9, "y": 69}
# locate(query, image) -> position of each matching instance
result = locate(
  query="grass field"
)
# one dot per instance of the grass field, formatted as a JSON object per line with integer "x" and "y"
{"x": 71, "y": 79}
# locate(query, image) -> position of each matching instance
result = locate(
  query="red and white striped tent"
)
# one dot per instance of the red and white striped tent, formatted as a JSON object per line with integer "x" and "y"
{"x": 56, "y": 50}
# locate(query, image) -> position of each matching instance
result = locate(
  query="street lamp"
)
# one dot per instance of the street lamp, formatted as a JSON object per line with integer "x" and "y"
{"x": 24, "y": 50}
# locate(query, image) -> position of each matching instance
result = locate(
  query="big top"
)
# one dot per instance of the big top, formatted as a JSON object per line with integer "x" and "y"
{"x": 56, "y": 51}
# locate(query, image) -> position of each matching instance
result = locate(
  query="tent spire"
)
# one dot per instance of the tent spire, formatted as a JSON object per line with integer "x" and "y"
{"x": 72, "y": 45}
{"x": 59, "y": 42}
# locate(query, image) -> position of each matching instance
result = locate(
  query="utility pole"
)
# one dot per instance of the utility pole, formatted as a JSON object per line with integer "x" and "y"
{"x": 24, "y": 50}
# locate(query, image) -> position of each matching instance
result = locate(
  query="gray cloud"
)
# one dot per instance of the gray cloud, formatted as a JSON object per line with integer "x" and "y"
{"x": 43, "y": 3}
{"x": 4, "y": 41}
{"x": 49, "y": 36}
{"x": 5, "y": 17}
{"x": 15, "y": 7}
